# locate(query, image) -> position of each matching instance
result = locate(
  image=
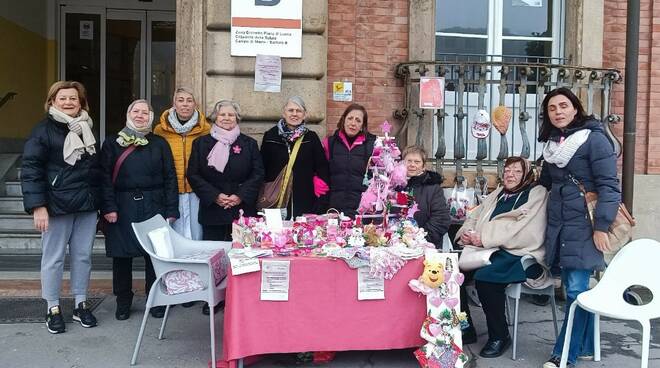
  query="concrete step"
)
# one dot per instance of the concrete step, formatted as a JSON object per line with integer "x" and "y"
{"x": 29, "y": 241}
{"x": 16, "y": 222}
{"x": 32, "y": 262}
{"x": 11, "y": 205}
{"x": 13, "y": 188}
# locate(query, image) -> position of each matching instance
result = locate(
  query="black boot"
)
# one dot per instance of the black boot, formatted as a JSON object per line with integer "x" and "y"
{"x": 123, "y": 311}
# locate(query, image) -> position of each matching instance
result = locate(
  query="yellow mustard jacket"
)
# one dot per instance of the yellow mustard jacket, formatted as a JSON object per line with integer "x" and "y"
{"x": 181, "y": 145}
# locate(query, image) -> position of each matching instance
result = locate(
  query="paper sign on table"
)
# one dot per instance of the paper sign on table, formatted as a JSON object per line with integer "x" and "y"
{"x": 369, "y": 287}
{"x": 273, "y": 218}
{"x": 241, "y": 265}
{"x": 275, "y": 280}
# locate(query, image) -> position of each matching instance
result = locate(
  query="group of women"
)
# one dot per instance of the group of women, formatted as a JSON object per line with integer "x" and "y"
{"x": 201, "y": 174}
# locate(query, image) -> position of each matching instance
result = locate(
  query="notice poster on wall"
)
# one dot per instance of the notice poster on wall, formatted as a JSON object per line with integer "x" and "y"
{"x": 268, "y": 73}
{"x": 342, "y": 91}
{"x": 269, "y": 27}
{"x": 431, "y": 93}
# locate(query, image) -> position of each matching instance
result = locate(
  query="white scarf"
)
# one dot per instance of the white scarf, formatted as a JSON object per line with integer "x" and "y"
{"x": 80, "y": 137}
{"x": 560, "y": 153}
{"x": 182, "y": 128}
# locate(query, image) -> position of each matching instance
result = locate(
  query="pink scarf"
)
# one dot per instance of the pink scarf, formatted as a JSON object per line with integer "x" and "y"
{"x": 219, "y": 154}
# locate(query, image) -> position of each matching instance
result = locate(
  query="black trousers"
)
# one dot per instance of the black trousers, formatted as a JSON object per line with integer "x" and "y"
{"x": 493, "y": 299}
{"x": 216, "y": 232}
{"x": 122, "y": 278}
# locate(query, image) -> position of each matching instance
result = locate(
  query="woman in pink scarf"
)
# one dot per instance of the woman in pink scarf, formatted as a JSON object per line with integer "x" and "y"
{"x": 225, "y": 171}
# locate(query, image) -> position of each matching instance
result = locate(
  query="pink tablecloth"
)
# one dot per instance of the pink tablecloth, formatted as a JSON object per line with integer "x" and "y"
{"x": 323, "y": 312}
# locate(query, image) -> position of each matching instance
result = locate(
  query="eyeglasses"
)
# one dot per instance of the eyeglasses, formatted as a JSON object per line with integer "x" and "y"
{"x": 513, "y": 172}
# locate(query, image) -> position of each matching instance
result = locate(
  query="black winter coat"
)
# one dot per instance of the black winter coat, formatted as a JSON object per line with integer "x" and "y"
{"x": 310, "y": 161}
{"x": 146, "y": 185}
{"x": 569, "y": 234}
{"x": 433, "y": 214}
{"x": 347, "y": 168}
{"x": 242, "y": 176}
{"x": 47, "y": 180}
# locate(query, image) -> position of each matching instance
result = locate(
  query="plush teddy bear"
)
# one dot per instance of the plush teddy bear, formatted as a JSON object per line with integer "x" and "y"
{"x": 432, "y": 277}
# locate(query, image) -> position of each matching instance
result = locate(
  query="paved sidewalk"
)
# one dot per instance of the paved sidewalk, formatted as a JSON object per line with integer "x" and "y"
{"x": 187, "y": 343}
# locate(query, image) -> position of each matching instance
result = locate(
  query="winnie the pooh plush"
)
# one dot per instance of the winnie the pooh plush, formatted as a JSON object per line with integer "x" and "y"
{"x": 432, "y": 277}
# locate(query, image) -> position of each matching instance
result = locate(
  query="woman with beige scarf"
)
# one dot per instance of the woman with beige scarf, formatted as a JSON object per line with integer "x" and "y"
{"x": 509, "y": 224}
{"x": 60, "y": 182}
{"x": 139, "y": 182}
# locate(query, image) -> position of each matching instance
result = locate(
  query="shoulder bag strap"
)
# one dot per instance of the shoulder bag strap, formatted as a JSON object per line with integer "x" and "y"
{"x": 120, "y": 161}
{"x": 289, "y": 168}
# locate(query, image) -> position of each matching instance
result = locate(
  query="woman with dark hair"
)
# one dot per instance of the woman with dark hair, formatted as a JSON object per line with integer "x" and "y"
{"x": 310, "y": 168}
{"x": 576, "y": 151}
{"x": 139, "y": 181}
{"x": 425, "y": 185}
{"x": 508, "y": 225}
{"x": 60, "y": 183}
{"x": 348, "y": 151}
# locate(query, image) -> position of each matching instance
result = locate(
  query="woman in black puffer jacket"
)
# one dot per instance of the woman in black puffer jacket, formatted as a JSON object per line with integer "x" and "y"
{"x": 348, "y": 151}
{"x": 433, "y": 214}
{"x": 60, "y": 182}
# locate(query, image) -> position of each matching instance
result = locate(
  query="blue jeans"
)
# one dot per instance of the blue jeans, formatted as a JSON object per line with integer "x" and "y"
{"x": 582, "y": 336}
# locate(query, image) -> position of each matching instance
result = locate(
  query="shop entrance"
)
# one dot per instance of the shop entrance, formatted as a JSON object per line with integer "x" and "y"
{"x": 120, "y": 56}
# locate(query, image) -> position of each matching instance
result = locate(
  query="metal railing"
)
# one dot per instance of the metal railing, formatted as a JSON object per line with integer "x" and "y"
{"x": 481, "y": 82}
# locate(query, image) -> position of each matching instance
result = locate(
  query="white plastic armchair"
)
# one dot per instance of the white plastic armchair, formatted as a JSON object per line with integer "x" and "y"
{"x": 211, "y": 293}
{"x": 514, "y": 291}
{"x": 633, "y": 265}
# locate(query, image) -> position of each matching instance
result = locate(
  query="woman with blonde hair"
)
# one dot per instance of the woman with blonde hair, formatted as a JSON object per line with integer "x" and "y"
{"x": 180, "y": 125}
{"x": 60, "y": 183}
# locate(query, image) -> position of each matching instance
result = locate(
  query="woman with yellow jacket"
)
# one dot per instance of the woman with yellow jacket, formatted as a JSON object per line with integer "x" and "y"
{"x": 180, "y": 126}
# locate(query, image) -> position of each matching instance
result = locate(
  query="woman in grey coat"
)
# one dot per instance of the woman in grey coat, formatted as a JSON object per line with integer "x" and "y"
{"x": 576, "y": 151}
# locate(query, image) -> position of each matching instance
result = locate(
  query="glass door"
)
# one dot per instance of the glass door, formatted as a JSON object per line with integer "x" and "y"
{"x": 124, "y": 65}
{"x": 161, "y": 56}
{"x": 81, "y": 35}
{"x": 120, "y": 56}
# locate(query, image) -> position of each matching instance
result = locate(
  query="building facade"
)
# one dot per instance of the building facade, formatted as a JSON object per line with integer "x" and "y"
{"x": 127, "y": 49}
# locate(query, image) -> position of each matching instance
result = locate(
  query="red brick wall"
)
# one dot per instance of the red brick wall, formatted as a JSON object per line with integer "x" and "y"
{"x": 647, "y": 147}
{"x": 366, "y": 40}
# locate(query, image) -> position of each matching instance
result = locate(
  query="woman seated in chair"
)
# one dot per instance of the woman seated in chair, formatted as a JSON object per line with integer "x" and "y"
{"x": 508, "y": 225}
{"x": 139, "y": 181}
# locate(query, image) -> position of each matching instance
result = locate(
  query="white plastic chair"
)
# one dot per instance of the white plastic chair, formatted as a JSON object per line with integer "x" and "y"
{"x": 633, "y": 265}
{"x": 211, "y": 294}
{"x": 514, "y": 291}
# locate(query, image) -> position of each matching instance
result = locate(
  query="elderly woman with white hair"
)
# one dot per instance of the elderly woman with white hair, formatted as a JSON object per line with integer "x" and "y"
{"x": 139, "y": 181}
{"x": 225, "y": 171}
{"x": 310, "y": 171}
{"x": 180, "y": 125}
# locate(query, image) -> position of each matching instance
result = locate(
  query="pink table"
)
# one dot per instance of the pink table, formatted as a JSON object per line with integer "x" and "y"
{"x": 323, "y": 312}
